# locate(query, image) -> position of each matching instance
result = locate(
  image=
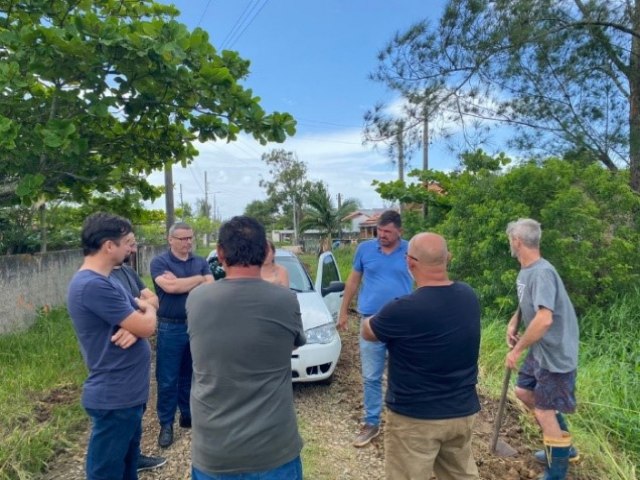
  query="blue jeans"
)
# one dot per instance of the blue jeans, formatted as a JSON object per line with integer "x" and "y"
{"x": 173, "y": 371}
{"x": 372, "y": 358}
{"x": 289, "y": 471}
{"x": 114, "y": 443}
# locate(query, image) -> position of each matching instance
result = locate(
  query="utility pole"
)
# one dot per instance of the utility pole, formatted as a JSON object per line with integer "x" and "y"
{"x": 206, "y": 195}
{"x": 400, "y": 143}
{"x": 168, "y": 195}
{"x": 425, "y": 156}
{"x": 295, "y": 220}
{"x": 339, "y": 219}
{"x": 181, "y": 201}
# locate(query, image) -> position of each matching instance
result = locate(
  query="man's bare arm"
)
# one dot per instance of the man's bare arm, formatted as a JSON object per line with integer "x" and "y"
{"x": 366, "y": 332}
{"x": 172, "y": 284}
{"x": 142, "y": 322}
{"x": 149, "y": 296}
{"x": 350, "y": 289}
{"x": 534, "y": 332}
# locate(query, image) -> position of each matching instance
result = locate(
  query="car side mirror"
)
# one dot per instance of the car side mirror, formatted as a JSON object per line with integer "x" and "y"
{"x": 333, "y": 287}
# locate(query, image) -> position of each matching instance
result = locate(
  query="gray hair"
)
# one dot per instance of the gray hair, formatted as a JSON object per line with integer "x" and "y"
{"x": 179, "y": 226}
{"x": 527, "y": 230}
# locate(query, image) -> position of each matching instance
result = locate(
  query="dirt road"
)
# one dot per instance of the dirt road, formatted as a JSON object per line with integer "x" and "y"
{"x": 328, "y": 417}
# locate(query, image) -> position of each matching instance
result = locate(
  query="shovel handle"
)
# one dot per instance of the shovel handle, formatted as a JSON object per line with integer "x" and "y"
{"x": 500, "y": 414}
{"x": 503, "y": 397}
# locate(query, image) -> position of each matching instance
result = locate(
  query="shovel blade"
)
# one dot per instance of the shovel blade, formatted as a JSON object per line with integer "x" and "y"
{"x": 503, "y": 449}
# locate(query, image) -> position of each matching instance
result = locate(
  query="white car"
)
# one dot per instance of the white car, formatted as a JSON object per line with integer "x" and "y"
{"x": 319, "y": 305}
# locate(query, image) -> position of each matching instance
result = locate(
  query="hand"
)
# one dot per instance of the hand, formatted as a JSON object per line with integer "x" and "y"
{"x": 142, "y": 304}
{"x": 343, "y": 322}
{"x": 512, "y": 337}
{"x": 123, "y": 338}
{"x": 511, "y": 361}
{"x": 169, "y": 275}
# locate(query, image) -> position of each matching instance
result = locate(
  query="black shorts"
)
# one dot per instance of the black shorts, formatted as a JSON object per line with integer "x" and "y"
{"x": 551, "y": 391}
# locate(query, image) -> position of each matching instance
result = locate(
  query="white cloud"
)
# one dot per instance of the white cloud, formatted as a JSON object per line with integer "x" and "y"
{"x": 234, "y": 170}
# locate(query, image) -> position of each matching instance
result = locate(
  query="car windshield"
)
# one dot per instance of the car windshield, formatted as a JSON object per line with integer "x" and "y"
{"x": 298, "y": 278}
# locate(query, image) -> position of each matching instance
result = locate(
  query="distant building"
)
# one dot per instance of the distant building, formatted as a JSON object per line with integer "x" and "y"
{"x": 363, "y": 223}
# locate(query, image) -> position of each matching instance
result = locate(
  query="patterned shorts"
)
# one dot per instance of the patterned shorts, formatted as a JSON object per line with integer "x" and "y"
{"x": 551, "y": 391}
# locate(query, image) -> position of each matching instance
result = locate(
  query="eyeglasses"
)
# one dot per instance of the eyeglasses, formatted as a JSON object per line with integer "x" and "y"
{"x": 406, "y": 255}
{"x": 184, "y": 239}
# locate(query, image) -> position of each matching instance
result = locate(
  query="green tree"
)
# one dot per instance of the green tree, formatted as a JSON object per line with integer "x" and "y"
{"x": 265, "y": 211}
{"x": 564, "y": 75}
{"x": 320, "y": 213}
{"x": 589, "y": 230}
{"x": 288, "y": 186}
{"x": 97, "y": 94}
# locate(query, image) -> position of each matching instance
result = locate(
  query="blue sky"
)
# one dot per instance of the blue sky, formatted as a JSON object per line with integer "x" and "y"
{"x": 310, "y": 59}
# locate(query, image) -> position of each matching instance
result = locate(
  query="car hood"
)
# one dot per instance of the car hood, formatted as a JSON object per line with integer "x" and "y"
{"x": 313, "y": 309}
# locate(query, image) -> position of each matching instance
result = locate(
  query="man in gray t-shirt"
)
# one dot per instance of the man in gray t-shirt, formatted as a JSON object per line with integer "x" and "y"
{"x": 242, "y": 331}
{"x": 546, "y": 380}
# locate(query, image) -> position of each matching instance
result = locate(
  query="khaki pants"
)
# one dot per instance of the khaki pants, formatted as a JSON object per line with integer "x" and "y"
{"x": 417, "y": 449}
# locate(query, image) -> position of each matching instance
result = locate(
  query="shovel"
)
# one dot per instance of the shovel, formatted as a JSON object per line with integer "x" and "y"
{"x": 500, "y": 447}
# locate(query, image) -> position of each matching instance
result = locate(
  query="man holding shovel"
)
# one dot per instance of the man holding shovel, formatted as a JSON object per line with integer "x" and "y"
{"x": 546, "y": 380}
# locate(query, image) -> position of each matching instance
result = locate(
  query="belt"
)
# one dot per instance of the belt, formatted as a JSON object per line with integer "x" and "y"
{"x": 172, "y": 320}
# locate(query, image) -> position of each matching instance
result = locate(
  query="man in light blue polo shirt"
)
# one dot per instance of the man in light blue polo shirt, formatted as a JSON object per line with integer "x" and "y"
{"x": 381, "y": 267}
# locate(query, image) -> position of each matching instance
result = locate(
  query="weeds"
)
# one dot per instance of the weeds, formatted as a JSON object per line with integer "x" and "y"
{"x": 41, "y": 372}
{"x": 607, "y": 422}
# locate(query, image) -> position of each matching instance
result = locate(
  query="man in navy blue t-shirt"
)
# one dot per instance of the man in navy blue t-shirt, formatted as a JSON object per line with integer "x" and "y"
{"x": 433, "y": 339}
{"x": 175, "y": 273}
{"x": 112, "y": 328}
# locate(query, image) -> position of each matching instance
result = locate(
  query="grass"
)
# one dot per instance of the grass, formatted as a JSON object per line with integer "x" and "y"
{"x": 42, "y": 372}
{"x": 606, "y": 425}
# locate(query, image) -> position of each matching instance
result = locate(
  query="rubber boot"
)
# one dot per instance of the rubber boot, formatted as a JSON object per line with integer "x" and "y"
{"x": 557, "y": 450}
{"x": 541, "y": 457}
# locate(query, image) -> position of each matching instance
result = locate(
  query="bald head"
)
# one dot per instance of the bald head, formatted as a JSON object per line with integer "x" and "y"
{"x": 430, "y": 249}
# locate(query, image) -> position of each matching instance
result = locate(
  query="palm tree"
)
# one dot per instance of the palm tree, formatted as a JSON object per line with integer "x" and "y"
{"x": 321, "y": 214}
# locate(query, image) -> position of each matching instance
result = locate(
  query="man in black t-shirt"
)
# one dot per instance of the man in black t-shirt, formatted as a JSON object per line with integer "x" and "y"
{"x": 433, "y": 339}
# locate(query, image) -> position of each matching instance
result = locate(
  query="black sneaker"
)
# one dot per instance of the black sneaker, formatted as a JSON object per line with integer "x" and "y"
{"x": 149, "y": 463}
{"x": 185, "y": 422}
{"x": 165, "y": 438}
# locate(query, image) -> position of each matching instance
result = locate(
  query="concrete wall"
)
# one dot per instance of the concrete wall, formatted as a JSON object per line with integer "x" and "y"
{"x": 31, "y": 282}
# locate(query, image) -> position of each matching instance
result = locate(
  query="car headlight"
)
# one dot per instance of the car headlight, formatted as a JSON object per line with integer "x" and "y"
{"x": 322, "y": 334}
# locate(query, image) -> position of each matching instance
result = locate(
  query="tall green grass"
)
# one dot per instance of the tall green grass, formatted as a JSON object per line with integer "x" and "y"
{"x": 42, "y": 372}
{"x": 606, "y": 426}
{"x": 343, "y": 255}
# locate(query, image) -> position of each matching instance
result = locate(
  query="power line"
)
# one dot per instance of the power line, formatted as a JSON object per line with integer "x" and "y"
{"x": 251, "y": 11}
{"x": 203, "y": 13}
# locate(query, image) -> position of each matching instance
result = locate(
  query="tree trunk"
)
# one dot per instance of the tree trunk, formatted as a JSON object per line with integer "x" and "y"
{"x": 168, "y": 194}
{"x": 44, "y": 239}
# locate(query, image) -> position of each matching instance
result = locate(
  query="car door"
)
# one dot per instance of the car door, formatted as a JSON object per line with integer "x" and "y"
{"x": 328, "y": 283}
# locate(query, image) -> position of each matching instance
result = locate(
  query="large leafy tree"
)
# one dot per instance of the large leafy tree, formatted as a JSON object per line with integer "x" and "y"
{"x": 565, "y": 75}
{"x": 288, "y": 186}
{"x": 265, "y": 211}
{"x": 322, "y": 214}
{"x": 96, "y": 94}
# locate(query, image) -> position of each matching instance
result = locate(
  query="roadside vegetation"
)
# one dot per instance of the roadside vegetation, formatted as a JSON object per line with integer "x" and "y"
{"x": 41, "y": 371}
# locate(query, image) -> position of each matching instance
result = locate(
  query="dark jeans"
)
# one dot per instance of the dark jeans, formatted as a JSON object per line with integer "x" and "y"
{"x": 289, "y": 471}
{"x": 114, "y": 443}
{"x": 173, "y": 371}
